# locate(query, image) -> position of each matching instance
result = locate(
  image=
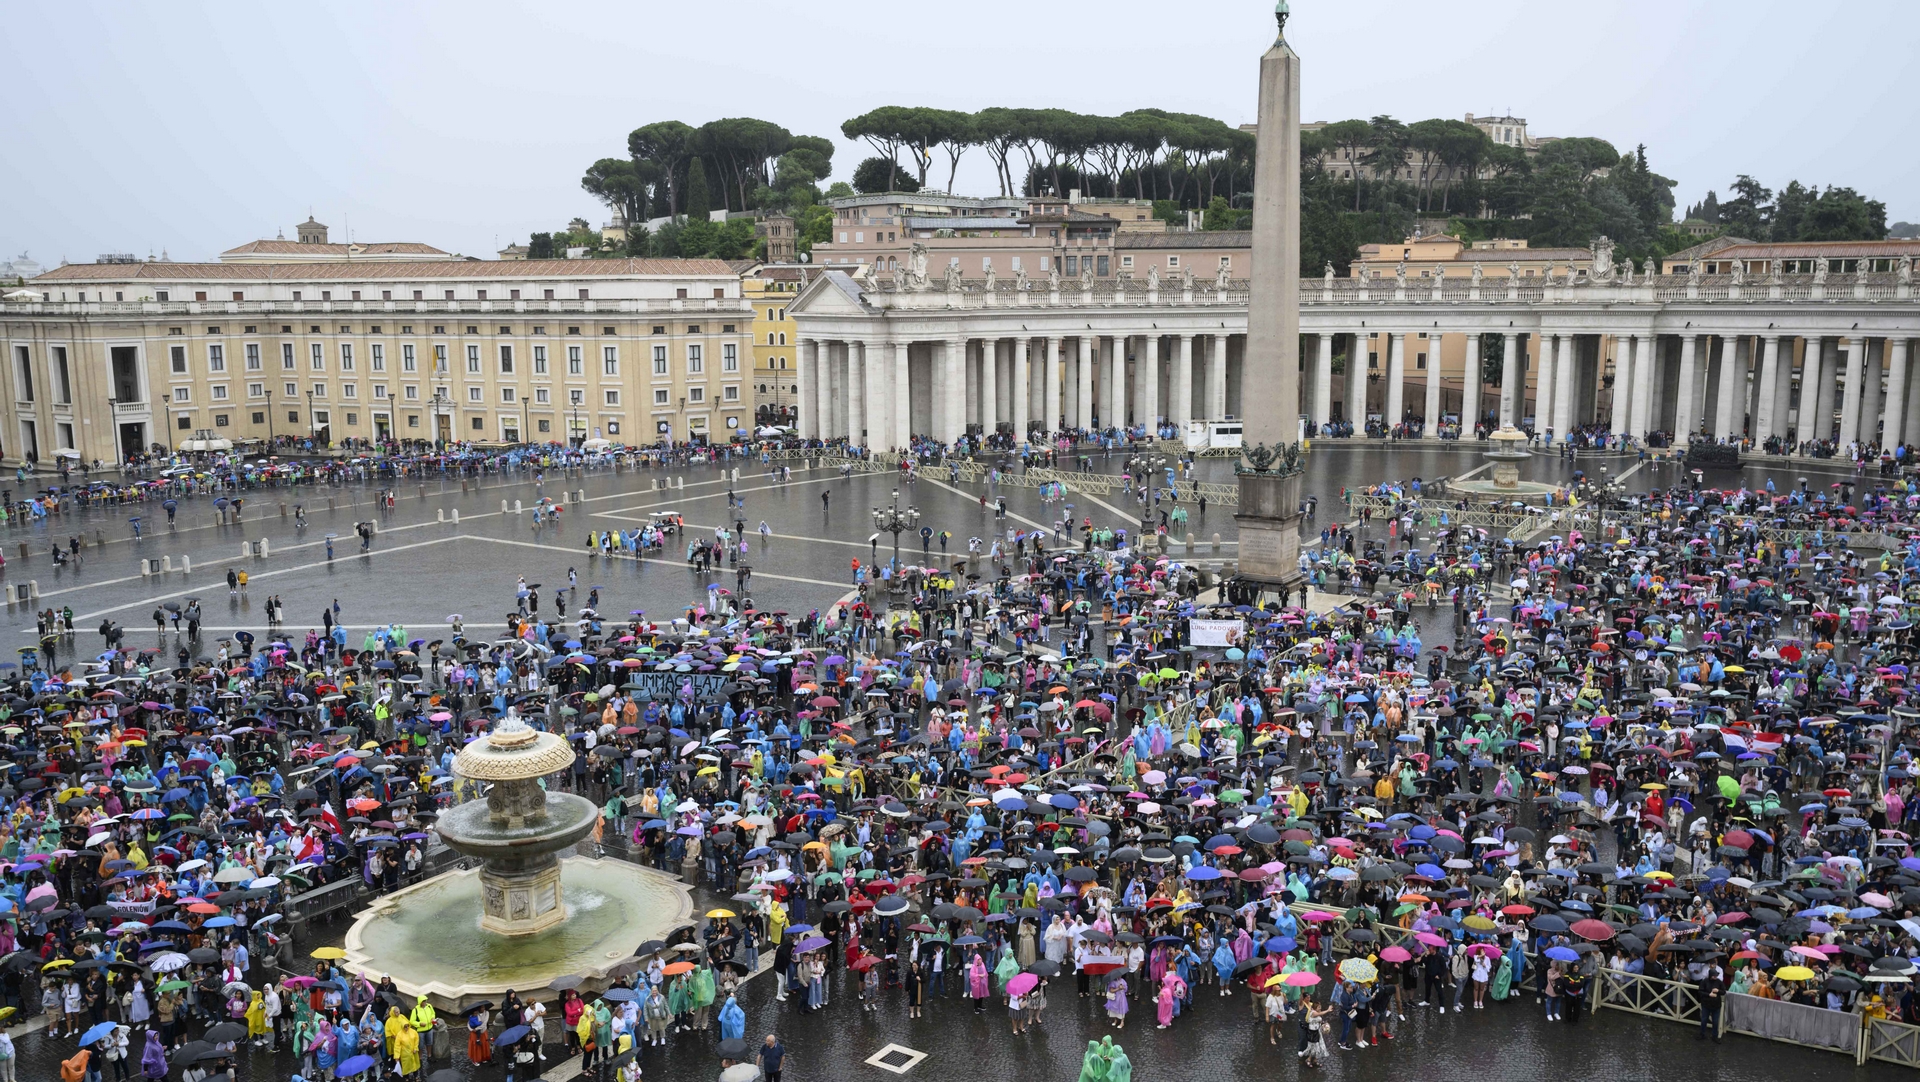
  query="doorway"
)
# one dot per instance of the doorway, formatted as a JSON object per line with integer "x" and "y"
{"x": 133, "y": 439}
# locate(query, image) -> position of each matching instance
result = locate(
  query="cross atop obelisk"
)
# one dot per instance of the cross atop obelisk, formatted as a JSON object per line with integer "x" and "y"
{"x": 1272, "y": 382}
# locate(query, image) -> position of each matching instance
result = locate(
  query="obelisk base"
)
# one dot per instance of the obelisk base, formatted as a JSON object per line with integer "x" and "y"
{"x": 1269, "y": 525}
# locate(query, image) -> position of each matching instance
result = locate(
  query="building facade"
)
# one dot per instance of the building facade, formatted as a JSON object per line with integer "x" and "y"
{"x": 107, "y": 360}
{"x": 884, "y": 359}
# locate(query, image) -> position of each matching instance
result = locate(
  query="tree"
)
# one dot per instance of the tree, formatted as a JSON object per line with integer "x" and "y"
{"x": 877, "y": 175}
{"x": 814, "y": 226}
{"x": 1749, "y": 213}
{"x": 1588, "y": 155}
{"x": 1388, "y": 140}
{"x": 1843, "y": 214}
{"x": 540, "y": 246}
{"x": 953, "y": 132}
{"x": 699, "y": 203}
{"x": 622, "y": 185}
{"x": 840, "y": 189}
{"x": 1790, "y": 207}
{"x": 888, "y": 129}
{"x": 667, "y": 144}
{"x": 1350, "y": 138}
{"x": 996, "y": 131}
{"x": 1562, "y": 214}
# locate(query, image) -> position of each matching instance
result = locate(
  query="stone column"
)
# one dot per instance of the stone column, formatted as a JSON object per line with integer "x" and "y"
{"x": 1355, "y": 389}
{"x": 856, "y": 394}
{"x": 1765, "y": 423}
{"x": 1430, "y": 408}
{"x": 1622, "y": 386}
{"x": 1322, "y": 382}
{"x": 1050, "y": 384}
{"x": 1910, "y": 432}
{"x": 1566, "y": 390}
{"x": 1893, "y": 414}
{"x": 894, "y": 358}
{"x": 877, "y": 362}
{"x": 1022, "y": 396}
{"x": 1083, "y": 391}
{"x": 1216, "y": 408}
{"x": 1511, "y": 393}
{"x": 951, "y": 407}
{"x": 989, "y": 385}
{"x": 1826, "y": 384}
{"x": 808, "y": 377}
{"x": 1180, "y": 410}
{"x": 1150, "y": 385}
{"x": 1850, "y": 394}
{"x": 1470, "y": 386}
{"x": 1870, "y": 391}
{"x": 1545, "y": 346}
{"x": 1394, "y": 411}
{"x": 1685, "y": 419}
{"x": 1645, "y": 375}
{"x": 833, "y": 406}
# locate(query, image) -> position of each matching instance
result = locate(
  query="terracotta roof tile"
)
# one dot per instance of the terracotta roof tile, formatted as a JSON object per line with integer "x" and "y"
{"x": 294, "y": 247}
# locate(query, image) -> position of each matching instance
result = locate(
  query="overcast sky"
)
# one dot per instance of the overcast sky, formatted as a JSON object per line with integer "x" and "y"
{"x": 192, "y": 127}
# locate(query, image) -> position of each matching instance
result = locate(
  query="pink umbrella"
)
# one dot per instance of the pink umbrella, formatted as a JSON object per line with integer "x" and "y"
{"x": 1303, "y": 979}
{"x": 1318, "y": 915}
{"x": 1430, "y": 939}
{"x": 1809, "y": 952}
{"x": 1396, "y": 954}
{"x": 1021, "y": 984}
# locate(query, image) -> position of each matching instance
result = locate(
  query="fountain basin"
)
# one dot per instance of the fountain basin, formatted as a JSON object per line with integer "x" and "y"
{"x": 430, "y": 937}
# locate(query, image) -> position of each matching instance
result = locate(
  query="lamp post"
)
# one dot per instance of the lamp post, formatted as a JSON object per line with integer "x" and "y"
{"x": 269, "y": 420}
{"x": 895, "y": 520}
{"x": 1151, "y": 465}
{"x": 525, "y": 416}
{"x": 166, "y": 403}
{"x": 310, "y": 428}
{"x": 574, "y": 434}
{"x": 436, "y": 403}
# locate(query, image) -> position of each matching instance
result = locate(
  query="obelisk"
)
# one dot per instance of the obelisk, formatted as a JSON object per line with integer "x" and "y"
{"x": 1269, "y": 513}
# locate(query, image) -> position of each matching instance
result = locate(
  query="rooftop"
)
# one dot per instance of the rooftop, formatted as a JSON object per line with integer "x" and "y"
{"x": 401, "y": 270}
{"x": 299, "y": 250}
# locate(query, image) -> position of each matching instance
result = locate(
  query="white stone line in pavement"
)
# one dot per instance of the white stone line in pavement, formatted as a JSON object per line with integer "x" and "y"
{"x": 758, "y": 574}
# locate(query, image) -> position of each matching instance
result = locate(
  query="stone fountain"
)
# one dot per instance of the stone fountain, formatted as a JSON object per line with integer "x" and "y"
{"x": 524, "y": 916}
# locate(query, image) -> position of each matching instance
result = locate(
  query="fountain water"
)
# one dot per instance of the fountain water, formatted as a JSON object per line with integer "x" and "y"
{"x": 525, "y": 916}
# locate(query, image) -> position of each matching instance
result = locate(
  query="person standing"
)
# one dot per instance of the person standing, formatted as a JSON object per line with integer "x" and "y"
{"x": 772, "y": 1059}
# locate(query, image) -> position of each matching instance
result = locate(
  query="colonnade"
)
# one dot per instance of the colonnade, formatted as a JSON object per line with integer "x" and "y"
{"x": 881, "y": 392}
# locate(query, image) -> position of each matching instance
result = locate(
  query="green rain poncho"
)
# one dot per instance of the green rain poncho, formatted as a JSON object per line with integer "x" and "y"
{"x": 1094, "y": 1066}
{"x": 702, "y": 987}
{"x": 1119, "y": 1068}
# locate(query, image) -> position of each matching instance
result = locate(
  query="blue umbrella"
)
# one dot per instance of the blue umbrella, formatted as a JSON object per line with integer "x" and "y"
{"x": 508, "y": 1036}
{"x": 1563, "y": 954}
{"x": 95, "y": 1033}
{"x": 354, "y": 1066}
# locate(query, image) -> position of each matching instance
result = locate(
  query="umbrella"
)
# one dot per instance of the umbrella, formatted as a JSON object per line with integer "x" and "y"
{"x": 96, "y": 1032}
{"x": 350, "y": 1067}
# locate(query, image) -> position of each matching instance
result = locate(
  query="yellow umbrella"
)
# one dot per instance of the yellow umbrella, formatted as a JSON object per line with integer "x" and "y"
{"x": 1793, "y": 973}
{"x": 1652, "y": 785}
{"x": 1735, "y": 669}
{"x": 715, "y": 914}
{"x": 329, "y": 953}
{"x": 56, "y": 964}
{"x": 1659, "y": 875}
{"x": 1479, "y": 923}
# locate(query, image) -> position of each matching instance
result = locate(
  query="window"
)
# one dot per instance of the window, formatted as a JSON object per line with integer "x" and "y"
{"x": 506, "y": 394}
{"x": 256, "y": 390}
{"x": 176, "y": 356}
{"x": 730, "y": 393}
{"x": 695, "y": 363}
{"x": 319, "y": 390}
{"x": 659, "y": 330}
{"x": 162, "y": 295}
{"x": 613, "y": 397}
{"x": 350, "y": 390}
{"x": 292, "y": 390}
{"x": 481, "y": 294}
{"x": 185, "y": 422}
{"x": 539, "y": 360}
{"x": 506, "y": 360}
{"x": 440, "y": 359}
{"x": 547, "y": 426}
{"x": 573, "y": 360}
{"x": 412, "y": 392}
{"x": 1073, "y": 266}
{"x": 379, "y": 357}
{"x": 548, "y": 295}
{"x": 479, "y": 423}
{"x": 356, "y": 294}
{"x": 253, "y": 356}
{"x": 182, "y": 394}
{"x": 407, "y": 363}
{"x": 473, "y": 359}
{"x": 1226, "y": 261}
{"x": 542, "y": 396}
{"x": 216, "y": 358}
{"x": 319, "y": 358}
{"x": 610, "y": 360}
{"x": 293, "y": 416}
{"x": 1173, "y": 261}
{"x": 1419, "y": 362}
{"x": 259, "y": 417}
{"x": 730, "y": 357}
{"x": 513, "y": 294}
{"x": 473, "y": 394}
{"x": 659, "y": 360}
{"x": 1100, "y": 265}
{"x": 1126, "y": 261}
{"x": 286, "y": 356}
{"x": 660, "y": 396}
{"x": 219, "y": 392}
{"x": 379, "y": 390}
{"x": 696, "y": 394}
{"x": 346, "y": 356}
{"x": 693, "y": 329}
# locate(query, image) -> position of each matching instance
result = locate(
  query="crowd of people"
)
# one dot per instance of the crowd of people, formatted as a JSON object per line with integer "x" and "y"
{"x": 1069, "y": 778}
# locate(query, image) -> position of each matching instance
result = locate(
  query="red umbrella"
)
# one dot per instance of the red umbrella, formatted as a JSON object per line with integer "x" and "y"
{"x": 1597, "y": 930}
